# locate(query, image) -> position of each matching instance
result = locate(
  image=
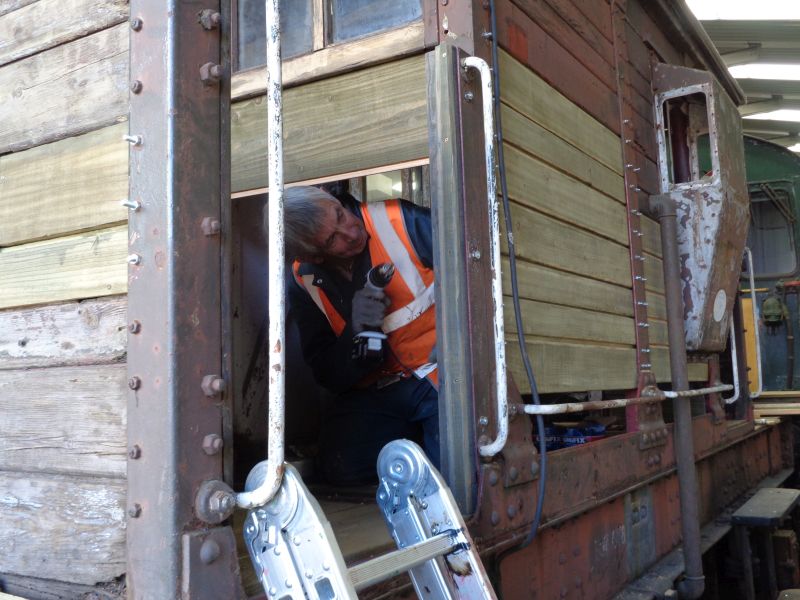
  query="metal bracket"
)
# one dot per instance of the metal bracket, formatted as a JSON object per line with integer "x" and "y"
{"x": 210, "y": 565}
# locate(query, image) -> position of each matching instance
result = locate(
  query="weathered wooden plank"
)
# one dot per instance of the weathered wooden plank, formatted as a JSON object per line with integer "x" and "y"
{"x": 553, "y": 321}
{"x": 70, "y": 529}
{"x": 68, "y": 420}
{"x": 49, "y": 589}
{"x": 7, "y": 6}
{"x": 657, "y": 306}
{"x": 361, "y": 120}
{"x": 658, "y": 331}
{"x": 548, "y": 147}
{"x": 544, "y": 240}
{"x": 564, "y": 366}
{"x": 654, "y": 271}
{"x": 659, "y": 357}
{"x": 32, "y": 28}
{"x": 529, "y": 94}
{"x": 70, "y": 334}
{"x": 67, "y": 186}
{"x": 536, "y": 47}
{"x": 575, "y": 33}
{"x": 87, "y": 265}
{"x": 651, "y": 236}
{"x": 561, "y": 366}
{"x": 534, "y": 184}
{"x": 537, "y": 282}
{"x": 67, "y": 90}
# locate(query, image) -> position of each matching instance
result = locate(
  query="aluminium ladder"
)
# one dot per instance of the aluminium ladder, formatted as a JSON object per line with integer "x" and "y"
{"x": 296, "y": 555}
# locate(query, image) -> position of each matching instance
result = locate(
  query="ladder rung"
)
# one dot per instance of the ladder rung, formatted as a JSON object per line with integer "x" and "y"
{"x": 383, "y": 567}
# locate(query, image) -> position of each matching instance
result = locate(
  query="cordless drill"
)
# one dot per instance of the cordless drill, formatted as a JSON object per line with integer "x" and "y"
{"x": 369, "y": 343}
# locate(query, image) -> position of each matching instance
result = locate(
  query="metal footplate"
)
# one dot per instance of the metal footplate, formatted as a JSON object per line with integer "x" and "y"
{"x": 423, "y": 518}
{"x": 296, "y": 556}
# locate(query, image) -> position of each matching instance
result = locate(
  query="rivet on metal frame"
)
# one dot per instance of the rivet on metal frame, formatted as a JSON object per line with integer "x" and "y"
{"x": 134, "y": 383}
{"x": 135, "y": 452}
{"x": 133, "y": 140}
{"x": 134, "y": 327}
{"x": 212, "y": 444}
{"x": 136, "y": 24}
{"x": 135, "y": 511}
{"x": 136, "y": 86}
{"x": 133, "y": 205}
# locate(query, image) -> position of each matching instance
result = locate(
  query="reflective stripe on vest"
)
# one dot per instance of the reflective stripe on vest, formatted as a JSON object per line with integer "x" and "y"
{"x": 320, "y": 298}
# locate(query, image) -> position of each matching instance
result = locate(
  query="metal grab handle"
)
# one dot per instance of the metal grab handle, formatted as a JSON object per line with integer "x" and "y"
{"x": 494, "y": 257}
{"x": 756, "y": 318}
{"x": 275, "y": 244}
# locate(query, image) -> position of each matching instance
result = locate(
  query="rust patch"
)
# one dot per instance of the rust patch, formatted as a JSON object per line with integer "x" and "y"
{"x": 518, "y": 42}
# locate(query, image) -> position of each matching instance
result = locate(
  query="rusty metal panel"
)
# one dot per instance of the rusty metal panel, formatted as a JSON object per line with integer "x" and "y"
{"x": 179, "y": 137}
{"x": 713, "y": 208}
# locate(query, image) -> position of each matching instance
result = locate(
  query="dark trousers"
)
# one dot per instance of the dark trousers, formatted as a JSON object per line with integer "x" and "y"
{"x": 359, "y": 423}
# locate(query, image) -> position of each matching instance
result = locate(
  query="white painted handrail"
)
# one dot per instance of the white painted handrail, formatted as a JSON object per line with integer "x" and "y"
{"x": 501, "y": 388}
{"x": 275, "y": 243}
{"x": 756, "y": 318}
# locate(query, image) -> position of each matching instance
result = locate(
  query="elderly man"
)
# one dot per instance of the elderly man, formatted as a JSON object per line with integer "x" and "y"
{"x": 380, "y": 396}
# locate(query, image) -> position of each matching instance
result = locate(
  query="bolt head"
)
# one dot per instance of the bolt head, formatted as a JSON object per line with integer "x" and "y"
{"x": 511, "y": 511}
{"x": 135, "y": 511}
{"x": 136, "y": 24}
{"x": 513, "y": 473}
{"x": 212, "y": 385}
{"x": 135, "y": 452}
{"x": 134, "y": 383}
{"x": 136, "y": 86}
{"x": 134, "y": 327}
{"x": 212, "y": 444}
{"x": 493, "y": 477}
{"x": 495, "y": 518}
{"x": 210, "y": 226}
{"x": 210, "y": 73}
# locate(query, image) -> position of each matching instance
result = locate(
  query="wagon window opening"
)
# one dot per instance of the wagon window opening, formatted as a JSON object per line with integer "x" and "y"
{"x": 771, "y": 234}
{"x": 310, "y": 25}
{"x": 686, "y": 122}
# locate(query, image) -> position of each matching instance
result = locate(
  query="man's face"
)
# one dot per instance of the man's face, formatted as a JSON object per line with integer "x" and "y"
{"x": 341, "y": 235}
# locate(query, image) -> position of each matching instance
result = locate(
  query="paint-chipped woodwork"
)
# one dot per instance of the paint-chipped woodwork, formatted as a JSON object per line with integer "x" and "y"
{"x": 369, "y": 118}
{"x": 68, "y": 420}
{"x": 66, "y": 528}
{"x": 71, "y": 185}
{"x": 67, "y": 90}
{"x": 33, "y": 28}
{"x": 87, "y": 265}
{"x": 68, "y": 334}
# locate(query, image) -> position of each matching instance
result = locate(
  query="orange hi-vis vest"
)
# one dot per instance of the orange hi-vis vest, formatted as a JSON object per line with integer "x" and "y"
{"x": 410, "y": 321}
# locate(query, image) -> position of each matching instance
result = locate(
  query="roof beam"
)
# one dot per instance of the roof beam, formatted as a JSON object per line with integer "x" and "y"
{"x": 745, "y": 56}
{"x": 764, "y": 106}
{"x": 789, "y": 140}
{"x": 771, "y": 126}
{"x": 753, "y": 31}
{"x": 754, "y": 88}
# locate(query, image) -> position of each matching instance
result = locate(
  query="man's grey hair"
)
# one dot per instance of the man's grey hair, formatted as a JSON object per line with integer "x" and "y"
{"x": 303, "y": 207}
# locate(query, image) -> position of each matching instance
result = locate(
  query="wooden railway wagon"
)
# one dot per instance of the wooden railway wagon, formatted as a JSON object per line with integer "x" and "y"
{"x": 133, "y": 365}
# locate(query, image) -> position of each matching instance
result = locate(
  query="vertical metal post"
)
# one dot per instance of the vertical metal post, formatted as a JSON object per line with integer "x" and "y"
{"x": 179, "y": 173}
{"x": 277, "y": 267}
{"x": 692, "y": 586}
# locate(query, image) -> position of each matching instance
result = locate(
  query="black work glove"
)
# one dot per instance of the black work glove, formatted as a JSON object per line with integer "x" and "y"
{"x": 369, "y": 307}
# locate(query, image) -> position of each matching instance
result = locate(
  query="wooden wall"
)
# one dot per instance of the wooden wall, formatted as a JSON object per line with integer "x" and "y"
{"x": 565, "y": 175}
{"x": 63, "y": 242}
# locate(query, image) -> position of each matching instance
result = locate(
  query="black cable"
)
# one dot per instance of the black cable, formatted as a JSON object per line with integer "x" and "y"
{"x": 501, "y": 167}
